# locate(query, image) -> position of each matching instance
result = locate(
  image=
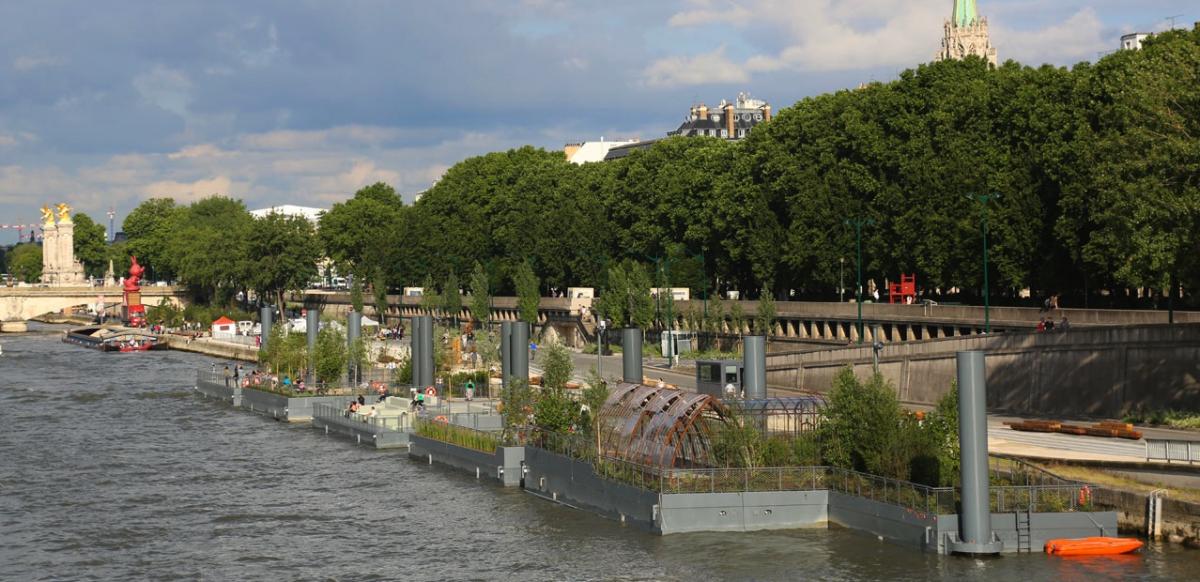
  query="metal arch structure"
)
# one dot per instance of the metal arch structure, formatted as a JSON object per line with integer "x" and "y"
{"x": 791, "y": 416}
{"x": 661, "y": 428}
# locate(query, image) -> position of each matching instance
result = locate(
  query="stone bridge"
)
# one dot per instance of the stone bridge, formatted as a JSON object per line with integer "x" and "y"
{"x": 23, "y": 303}
{"x": 1098, "y": 371}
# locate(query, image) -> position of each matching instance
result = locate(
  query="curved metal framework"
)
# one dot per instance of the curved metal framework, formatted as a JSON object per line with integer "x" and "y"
{"x": 792, "y": 415}
{"x": 659, "y": 427}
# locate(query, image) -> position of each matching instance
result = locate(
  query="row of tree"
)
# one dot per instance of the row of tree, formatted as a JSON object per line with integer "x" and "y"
{"x": 1092, "y": 178}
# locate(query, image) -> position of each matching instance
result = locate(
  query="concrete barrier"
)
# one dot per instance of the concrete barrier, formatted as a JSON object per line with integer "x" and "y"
{"x": 1103, "y": 372}
{"x": 503, "y": 466}
{"x": 285, "y": 408}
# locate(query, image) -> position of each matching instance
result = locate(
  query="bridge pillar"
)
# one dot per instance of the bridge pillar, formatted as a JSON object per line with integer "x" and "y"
{"x": 802, "y": 329}
{"x": 853, "y": 331}
{"x": 826, "y": 332}
{"x": 841, "y": 329}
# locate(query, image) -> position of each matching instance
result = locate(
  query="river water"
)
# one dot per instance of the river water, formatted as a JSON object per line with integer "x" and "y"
{"x": 111, "y": 469}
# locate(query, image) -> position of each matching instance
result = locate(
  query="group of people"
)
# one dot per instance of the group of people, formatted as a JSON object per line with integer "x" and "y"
{"x": 1047, "y": 324}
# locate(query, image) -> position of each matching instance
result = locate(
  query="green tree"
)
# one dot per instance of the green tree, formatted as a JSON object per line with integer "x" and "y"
{"x": 452, "y": 297}
{"x": 379, "y": 289}
{"x": 356, "y": 294}
{"x": 764, "y": 322}
{"x": 528, "y": 295}
{"x": 516, "y": 401}
{"x": 429, "y": 296}
{"x": 558, "y": 366}
{"x": 149, "y": 232}
{"x": 282, "y": 256}
{"x": 25, "y": 262}
{"x": 627, "y": 300}
{"x": 481, "y": 301}
{"x": 90, "y": 246}
{"x": 359, "y": 233}
{"x": 208, "y": 247}
{"x": 331, "y": 357}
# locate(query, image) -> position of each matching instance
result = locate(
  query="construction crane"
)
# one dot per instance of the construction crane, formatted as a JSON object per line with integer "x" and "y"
{"x": 20, "y": 228}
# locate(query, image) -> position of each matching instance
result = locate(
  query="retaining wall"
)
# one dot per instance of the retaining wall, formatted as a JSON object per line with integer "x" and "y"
{"x": 1102, "y": 372}
{"x": 231, "y": 394}
{"x": 749, "y": 511}
{"x": 575, "y": 483}
{"x": 281, "y": 407}
{"x": 1043, "y": 528}
{"x": 503, "y": 466}
{"x": 361, "y": 432}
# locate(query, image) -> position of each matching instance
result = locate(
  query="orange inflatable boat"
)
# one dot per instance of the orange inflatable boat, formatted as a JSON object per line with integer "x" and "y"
{"x": 1092, "y": 546}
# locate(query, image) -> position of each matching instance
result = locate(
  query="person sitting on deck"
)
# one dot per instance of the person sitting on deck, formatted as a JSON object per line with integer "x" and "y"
{"x": 300, "y": 386}
{"x": 353, "y": 406}
{"x": 287, "y": 382}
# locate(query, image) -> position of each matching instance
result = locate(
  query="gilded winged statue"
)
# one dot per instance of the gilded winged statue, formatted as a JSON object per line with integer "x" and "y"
{"x": 47, "y": 215}
{"x": 64, "y": 212}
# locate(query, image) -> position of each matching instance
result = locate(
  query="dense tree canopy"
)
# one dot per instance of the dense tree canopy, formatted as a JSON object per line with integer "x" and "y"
{"x": 282, "y": 255}
{"x": 1093, "y": 175}
{"x": 25, "y": 262}
{"x": 90, "y": 245}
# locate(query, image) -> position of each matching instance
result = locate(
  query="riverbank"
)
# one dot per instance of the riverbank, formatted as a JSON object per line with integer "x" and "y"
{"x": 211, "y": 347}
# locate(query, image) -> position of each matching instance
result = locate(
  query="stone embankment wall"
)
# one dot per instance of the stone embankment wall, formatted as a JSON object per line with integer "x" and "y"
{"x": 1181, "y": 519}
{"x": 211, "y": 347}
{"x": 1101, "y": 372}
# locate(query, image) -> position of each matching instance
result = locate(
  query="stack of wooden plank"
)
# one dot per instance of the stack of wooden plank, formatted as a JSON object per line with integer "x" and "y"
{"x": 1108, "y": 429}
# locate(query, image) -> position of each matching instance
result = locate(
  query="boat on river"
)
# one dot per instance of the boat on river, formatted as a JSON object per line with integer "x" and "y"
{"x": 1096, "y": 546}
{"x": 113, "y": 338}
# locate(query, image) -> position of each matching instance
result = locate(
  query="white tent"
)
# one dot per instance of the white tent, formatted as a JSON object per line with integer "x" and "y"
{"x": 368, "y": 322}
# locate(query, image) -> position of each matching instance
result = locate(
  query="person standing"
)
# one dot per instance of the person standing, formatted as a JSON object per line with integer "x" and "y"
{"x": 228, "y": 375}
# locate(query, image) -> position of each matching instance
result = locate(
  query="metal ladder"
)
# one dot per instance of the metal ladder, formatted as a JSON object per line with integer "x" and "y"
{"x": 1024, "y": 535}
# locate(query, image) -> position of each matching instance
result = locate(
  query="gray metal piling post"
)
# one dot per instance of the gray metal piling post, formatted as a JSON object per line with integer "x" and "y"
{"x": 975, "y": 535}
{"x": 631, "y": 355}
{"x": 518, "y": 350}
{"x": 505, "y": 352}
{"x": 423, "y": 335}
{"x": 266, "y": 316}
{"x": 353, "y": 332}
{"x": 312, "y": 325}
{"x": 754, "y": 365}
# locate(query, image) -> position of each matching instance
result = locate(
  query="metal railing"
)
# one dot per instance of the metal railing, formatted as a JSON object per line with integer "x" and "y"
{"x": 1172, "y": 450}
{"x": 401, "y": 423}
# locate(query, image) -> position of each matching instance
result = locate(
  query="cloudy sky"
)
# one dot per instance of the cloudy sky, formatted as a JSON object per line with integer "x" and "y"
{"x": 106, "y": 104}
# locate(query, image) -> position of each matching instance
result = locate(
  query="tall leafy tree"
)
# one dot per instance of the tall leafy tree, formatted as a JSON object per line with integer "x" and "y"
{"x": 480, "y": 303}
{"x": 359, "y": 233}
{"x": 90, "y": 246}
{"x": 282, "y": 255}
{"x": 25, "y": 262}
{"x": 149, "y": 232}
{"x": 452, "y": 297}
{"x": 528, "y": 295}
{"x": 209, "y": 247}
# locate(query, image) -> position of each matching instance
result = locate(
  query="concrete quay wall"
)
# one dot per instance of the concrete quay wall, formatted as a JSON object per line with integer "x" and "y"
{"x": 1101, "y": 372}
{"x": 211, "y": 347}
{"x": 503, "y": 466}
{"x": 361, "y": 432}
{"x": 287, "y": 409}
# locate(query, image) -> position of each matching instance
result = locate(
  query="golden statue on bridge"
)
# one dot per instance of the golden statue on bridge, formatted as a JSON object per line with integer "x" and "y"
{"x": 64, "y": 212}
{"x": 47, "y": 215}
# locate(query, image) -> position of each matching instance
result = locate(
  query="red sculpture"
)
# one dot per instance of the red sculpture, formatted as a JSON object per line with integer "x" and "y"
{"x": 135, "y": 275}
{"x": 133, "y": 295}
{"x": 905, "y": 291}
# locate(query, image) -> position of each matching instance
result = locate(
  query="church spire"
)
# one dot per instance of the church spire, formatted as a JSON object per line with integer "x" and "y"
{"x": 964, "y": 12}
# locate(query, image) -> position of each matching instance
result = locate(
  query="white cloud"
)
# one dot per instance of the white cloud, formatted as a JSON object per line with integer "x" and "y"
{"x": 1078, "y": 38}
{"x": 703, "y": 69}
{"x": 823, "y": 35}
{"x": 300, "y": 139}
{"x": 187, "y": 192}
{"x": 204, "y": 150}
{"x": 708, "y": 12}
{"x": 26, "y": 63}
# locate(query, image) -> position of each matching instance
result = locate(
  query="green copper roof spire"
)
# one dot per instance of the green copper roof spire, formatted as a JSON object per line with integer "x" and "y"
{"x": 964, "y": 12}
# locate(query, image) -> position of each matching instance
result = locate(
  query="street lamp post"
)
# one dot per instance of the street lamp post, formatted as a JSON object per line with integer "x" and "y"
{"x": 983, "y": 200}
{"x": 858, "y": 223}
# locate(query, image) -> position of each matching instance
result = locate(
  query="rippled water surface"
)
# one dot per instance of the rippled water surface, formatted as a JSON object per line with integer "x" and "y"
{"x": 111, "y": 469}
